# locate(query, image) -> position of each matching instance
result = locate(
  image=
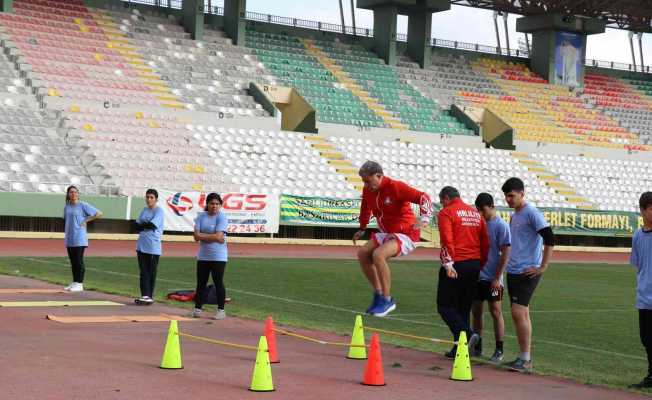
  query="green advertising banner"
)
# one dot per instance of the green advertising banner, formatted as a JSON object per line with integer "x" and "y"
{"x": 317, "y": 211}
{"x": 565, "y": 221}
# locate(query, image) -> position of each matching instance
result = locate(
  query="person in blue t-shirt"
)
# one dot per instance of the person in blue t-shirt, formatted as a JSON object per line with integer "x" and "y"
{"x": 210, "y": 232}
{"x": 149, "y": 224}
{"x": 532, "y": 245}
{"x": 641, "y": 258}
{"x": 490, "y": 283}
{"x": 76, "y": 215}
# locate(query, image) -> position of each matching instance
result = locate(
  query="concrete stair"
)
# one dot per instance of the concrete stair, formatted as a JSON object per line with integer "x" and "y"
{"x": 343, "y": 78}
{"x": 119, "y": 42}
{"x": 337, "y": 159}
{"x": 550, "y": 179}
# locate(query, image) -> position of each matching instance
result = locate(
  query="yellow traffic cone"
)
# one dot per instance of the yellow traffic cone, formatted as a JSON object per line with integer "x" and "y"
{"x": 462, "y": 364}
{"x": 172, "y": 353}
{"x": 357, "y": 339}
{"x": 261, "y": 380}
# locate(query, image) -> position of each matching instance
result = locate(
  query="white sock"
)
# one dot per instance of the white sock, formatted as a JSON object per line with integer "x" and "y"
{"x": 525, "y": 356}
{"x": 387, "y": 298}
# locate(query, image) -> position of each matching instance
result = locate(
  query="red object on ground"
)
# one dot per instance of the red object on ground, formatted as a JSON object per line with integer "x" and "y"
{"x": 373, "y": 372}
{"x": 270, "y": 335}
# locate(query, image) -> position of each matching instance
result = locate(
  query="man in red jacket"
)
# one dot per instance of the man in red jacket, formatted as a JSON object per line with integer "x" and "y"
{"x": 390, "y": 202}
{"x": 464, "y": 249}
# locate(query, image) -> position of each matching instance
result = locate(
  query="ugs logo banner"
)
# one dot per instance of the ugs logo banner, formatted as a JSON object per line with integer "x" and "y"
{"x": 247, "y": 213}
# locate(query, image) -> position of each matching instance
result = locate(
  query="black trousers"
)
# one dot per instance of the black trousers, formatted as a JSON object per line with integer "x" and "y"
{"x": 455, "y": 296}
{"x": 147, "y": 264}
{"x": 76, "y": 256}
{"x": 216, "y": 269}
{"x": 645, "y": 330}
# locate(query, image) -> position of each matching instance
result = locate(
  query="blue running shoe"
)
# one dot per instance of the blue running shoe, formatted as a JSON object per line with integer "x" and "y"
{"x": 374, "y": 303}
{"x": 384, "y": 307}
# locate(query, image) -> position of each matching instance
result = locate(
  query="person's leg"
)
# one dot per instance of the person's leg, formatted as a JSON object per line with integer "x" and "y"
{"x": 217, "y": 270}
{"x": 203, "y": 272}
{"x": 73, "y": 262}
{"x": 365, "y": 257}
{"x": 380, "y": 256}
{"x": 495, "y": 308}
{"x": 143, "y": 265}
{"x": 645, "y": 331}
{"x": 80, "y": 263}
{"x": 152, "y": 276}
{"x": 523, "y": 325}
{"x": 477, "y": 311}
{"x": 447, "y": 293}
{"x": 467, "y": 274}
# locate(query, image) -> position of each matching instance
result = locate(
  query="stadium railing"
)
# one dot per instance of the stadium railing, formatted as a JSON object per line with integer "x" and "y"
{"x": 365, "y": 32}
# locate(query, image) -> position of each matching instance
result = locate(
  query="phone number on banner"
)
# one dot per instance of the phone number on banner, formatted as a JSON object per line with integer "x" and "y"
{"x": 246, "y": 228}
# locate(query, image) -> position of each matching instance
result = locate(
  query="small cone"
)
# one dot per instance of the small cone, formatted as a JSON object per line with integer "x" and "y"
{"x": 357, "y": 339}
{"x": 462, "y": 364}
{"x": 172, "y": 353}
{"x": 270, "y": 335}
{"x": 373, "y": 372}
{"x": 261, "y": 381}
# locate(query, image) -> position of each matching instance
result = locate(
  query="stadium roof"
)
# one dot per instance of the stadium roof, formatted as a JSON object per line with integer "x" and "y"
{"x": 634, "y": 15}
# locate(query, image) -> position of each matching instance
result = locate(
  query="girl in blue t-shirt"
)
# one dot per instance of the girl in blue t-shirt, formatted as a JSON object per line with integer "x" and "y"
{"x": 149, "y": 225}
{"x": 210, "y": 232}
{"x": 76, "y": 215}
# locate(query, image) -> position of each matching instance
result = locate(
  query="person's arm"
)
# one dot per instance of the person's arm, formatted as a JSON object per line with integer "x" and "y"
{"x": 365, "y": 216}
{"x": 210, "y": 237}
{"x": 633, "y": 258}
{"x": 447, "y": 252}
{"x": 414, "y": 196}
{"x": 219, "y": 235}
{"x": 505, "y": 251}
{"x": 92, "y": 214}
{"x": 548, "y": 246}
{"x": 484, "y": 242}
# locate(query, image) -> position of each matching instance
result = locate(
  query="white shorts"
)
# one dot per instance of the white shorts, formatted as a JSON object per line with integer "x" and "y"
{"x": 405, "y": 244}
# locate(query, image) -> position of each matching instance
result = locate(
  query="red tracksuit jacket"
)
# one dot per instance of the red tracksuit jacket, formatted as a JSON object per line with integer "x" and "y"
{"x": 463, "y": 233}
{"x": 390, "y": 204}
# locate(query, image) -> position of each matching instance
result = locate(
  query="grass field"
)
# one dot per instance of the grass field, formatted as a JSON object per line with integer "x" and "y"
{"x": 585, "y": 325}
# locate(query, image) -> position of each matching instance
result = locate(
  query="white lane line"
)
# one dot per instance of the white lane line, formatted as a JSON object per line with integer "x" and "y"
{"x": 347, "y": 310}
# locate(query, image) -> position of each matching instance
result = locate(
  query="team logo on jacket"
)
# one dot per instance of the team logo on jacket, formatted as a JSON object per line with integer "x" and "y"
{"x": 388, "y": 201}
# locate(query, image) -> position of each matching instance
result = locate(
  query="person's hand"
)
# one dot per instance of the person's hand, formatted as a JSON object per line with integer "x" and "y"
{"x": 533, "y": 272}
{"x": 450, "y": 271}
{"x": 83, "y": 224}
{"x": 420, "y": 225}
{"x": 358, "y": 235}
{"x": 495, "y": 285}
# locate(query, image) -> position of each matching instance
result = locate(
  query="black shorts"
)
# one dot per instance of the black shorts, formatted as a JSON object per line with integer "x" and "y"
{"x": 483, "y": 292}
{"x": 521, "y": 288}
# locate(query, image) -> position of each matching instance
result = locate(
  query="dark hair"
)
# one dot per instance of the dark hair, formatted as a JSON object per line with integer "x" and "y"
{"x": 645, "y": 201}
{"x": 370, "y": 168}
{"x": 484, "y": 200}
{"x": 513, "y": 184}
{"x": 211, "y": 197}
{"x": 68, "y": 192}
{"x": 450, "y": 192}
{"x": 152, "y": 192}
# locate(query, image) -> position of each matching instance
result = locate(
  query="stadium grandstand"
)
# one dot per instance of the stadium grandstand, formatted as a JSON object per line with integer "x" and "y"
{"x": 119, "y": 96}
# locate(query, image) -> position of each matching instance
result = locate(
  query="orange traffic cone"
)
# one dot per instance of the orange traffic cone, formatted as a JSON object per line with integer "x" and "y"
{"x": 373, "y": 372}
{"x": 270, "y": 335}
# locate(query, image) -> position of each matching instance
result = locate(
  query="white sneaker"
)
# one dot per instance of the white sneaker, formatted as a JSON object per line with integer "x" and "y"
{"x": 76, "y": 287}
{"x": 195, "y": 313}
{"x": 220, "y": 314}
{"x": 67, "y": 288}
